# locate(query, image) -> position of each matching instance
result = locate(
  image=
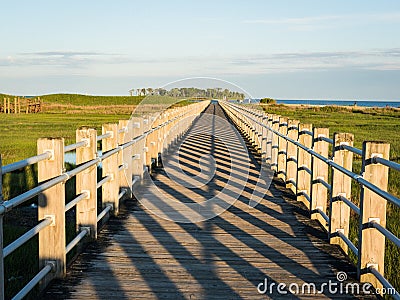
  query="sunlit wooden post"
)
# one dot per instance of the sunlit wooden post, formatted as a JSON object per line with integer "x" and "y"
{"x": 319, "y": 193}
{"x": 110, "y": 189}
{"x": 373, "y": 209}
{"x": 291, "y": 156}
{"x": 275, "y": 143}
{"x": 283, "y": 125}
{"x": 341, "y": 186}
{"x": 52, "y": 206}
{"x": 268, "y": 155}
{"x": 260, "y": 130}
{"x": 304, "y": 165}
{"x": 150, "y": 142}
{"x": 86, "y": 181}
{"x": 138, "y": 148}
{"x": 125, "y": 157}
{"x": 264, "y": 137}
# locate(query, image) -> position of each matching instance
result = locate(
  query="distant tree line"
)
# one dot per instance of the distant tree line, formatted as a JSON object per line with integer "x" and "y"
{"x": 191, "y": 92}
{"x": 267, "y": 101}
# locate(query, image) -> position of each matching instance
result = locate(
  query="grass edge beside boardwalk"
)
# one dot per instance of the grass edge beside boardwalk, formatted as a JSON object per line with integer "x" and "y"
{"x": 373, "y": 124}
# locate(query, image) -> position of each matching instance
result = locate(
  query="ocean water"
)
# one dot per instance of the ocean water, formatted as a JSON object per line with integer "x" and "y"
{"x": 364, "y": 103}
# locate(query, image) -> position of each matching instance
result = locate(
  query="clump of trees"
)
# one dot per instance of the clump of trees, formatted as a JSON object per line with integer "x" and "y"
{"x": 191, "y": 92}
{"x": 268, "y": 101}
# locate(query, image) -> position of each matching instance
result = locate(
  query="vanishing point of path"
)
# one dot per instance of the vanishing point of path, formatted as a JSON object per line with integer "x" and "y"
{"x": 139, "y": 255}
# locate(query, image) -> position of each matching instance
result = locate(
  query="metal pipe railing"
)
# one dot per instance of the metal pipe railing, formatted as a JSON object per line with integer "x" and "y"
{"x": 34, "y": 281}
{"x": 354, "y": 207}
{"x": 384, "y": 282}
{"x": 75, "y": 146}
{"x": 349, "y": 243}
{"x": 75, "y": 201}
{"x": 391, "y": 164}
{"x": 104, "y": 212}
{"x": 26, "y": 162}
{"x": 76, "y": 240}
{"x": 386, "y": 233}
{"x": 25, "y": 237}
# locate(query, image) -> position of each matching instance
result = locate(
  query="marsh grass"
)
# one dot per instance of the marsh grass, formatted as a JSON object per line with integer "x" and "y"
{"x": 367, "y": 124}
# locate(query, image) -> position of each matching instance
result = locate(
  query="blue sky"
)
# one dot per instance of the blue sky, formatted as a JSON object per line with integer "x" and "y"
{"x": 283, "y": 49}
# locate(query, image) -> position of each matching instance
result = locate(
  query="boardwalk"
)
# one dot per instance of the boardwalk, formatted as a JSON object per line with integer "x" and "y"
{"x": 140, "y": 255}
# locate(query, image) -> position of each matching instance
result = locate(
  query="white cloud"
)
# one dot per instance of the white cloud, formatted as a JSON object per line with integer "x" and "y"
{"x": 98, "y": 64}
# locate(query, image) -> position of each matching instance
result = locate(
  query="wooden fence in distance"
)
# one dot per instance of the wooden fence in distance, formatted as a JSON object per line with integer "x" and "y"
{"x": 21, "y": 105}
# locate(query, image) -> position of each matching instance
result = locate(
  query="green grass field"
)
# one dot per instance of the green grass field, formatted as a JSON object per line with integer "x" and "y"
{"x": 367, "y": 124}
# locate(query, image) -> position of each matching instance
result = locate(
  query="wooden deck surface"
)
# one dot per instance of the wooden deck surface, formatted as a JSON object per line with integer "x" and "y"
{"x": 141, "y": 256}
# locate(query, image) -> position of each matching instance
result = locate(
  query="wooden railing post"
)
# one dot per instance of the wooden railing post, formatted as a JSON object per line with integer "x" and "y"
{"x": 373, "y": 209}
{"x": 282, "y": 148}
{"x": 275, "y": 143}
{"x": 291, "y": 156}
{"x": 52, "y": 205}
{"x": 125, "y": 156}
{"x": 264, "y": 138}
{"x": 341, "y": 186}
{"x": 268, "y": 142}
{"x": 110, "y": 190}
{"x": 138, "y": 148}
{"x": 319, "y": 193}
{"x": 304, "y": 165}
{"x": 86, "y": 181}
